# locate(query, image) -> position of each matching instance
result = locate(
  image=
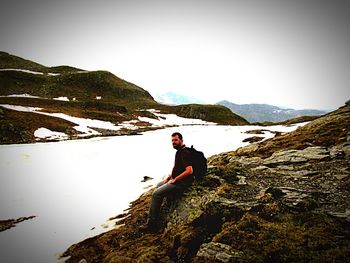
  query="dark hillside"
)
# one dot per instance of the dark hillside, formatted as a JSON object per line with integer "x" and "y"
{"x": 212, "y": 113}
{"x": 215, "y": 113}
{"x": 82, "y": 86}
{"x": 8, "y": 61}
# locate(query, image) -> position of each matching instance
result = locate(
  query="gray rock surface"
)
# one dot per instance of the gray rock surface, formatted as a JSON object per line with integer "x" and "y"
{"x": 218, "y": 252}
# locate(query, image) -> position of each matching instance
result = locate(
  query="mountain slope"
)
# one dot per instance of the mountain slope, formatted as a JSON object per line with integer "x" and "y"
{"x": 8, "y": 61}
{"x": 82, "y": 86}
{"x": 213, "y": 113}
{"x": 267, "y": 113}
{"x": 87, "y": 94}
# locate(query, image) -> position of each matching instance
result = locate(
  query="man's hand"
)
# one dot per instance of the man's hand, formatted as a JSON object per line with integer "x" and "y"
{"x": 188, "y": 171}
{"x": 172, "y": 181}
{"x": 167, "y": 179}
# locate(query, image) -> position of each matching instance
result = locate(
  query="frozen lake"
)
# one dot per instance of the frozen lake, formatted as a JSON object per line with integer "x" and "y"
{"x": 74, "y": 187}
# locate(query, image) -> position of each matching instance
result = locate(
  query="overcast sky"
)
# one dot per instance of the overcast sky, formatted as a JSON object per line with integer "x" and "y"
{"x": 287, "y": 53}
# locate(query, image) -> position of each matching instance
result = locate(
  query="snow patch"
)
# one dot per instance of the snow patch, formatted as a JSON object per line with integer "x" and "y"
{"x": 83, "y": 125}
{"x": 23, "y": 70}
{"x": 20, "y": 108}
{"x": 25, "y": 95}
{"x": 61, "y": 98}
{"x": 29, "y": 71}
{"x": 172, "y": 119}
{"x": 277, "y": 111}
{"x": 43, "y": 133}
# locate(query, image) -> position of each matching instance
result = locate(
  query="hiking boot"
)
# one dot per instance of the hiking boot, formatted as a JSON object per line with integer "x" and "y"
{"x": 149, "y": 228}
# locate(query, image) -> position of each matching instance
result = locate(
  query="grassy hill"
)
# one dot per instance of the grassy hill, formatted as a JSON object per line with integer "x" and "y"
{"x": 81, "y": 86}
{"x": 89, "y": 94}
{"x": 8, "y": 61}
{"x": 213, "y": 113}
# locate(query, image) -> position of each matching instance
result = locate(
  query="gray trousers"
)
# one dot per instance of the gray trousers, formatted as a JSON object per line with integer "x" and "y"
{"x": 163, "y": 190}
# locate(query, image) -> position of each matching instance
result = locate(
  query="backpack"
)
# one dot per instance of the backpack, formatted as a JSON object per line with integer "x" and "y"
{"x": 199, "y": 163}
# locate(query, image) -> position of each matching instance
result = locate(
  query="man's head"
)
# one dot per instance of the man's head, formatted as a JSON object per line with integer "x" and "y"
{"x": 176, "y": 140}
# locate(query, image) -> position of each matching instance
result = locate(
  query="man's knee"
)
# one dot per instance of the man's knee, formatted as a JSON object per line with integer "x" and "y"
{"x": 160, "y": 184}
{"x": 156, "y": 195}
{"x": 164, "y": 190}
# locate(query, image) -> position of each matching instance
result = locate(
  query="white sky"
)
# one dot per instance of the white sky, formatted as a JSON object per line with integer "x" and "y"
{"x": 286, "y": 53}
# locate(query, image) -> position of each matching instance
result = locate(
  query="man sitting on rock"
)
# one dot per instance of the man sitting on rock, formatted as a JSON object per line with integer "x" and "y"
{"x": 180, "y": 178}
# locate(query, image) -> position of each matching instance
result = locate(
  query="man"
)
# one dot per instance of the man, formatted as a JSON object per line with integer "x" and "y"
{"x": 179, "y": 179}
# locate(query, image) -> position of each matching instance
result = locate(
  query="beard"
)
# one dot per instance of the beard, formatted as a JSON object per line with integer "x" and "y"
{"x": 176, "y": 146}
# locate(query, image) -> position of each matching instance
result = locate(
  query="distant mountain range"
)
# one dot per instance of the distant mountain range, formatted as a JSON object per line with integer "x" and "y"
{"x": 250, "y": 112}
{"x": 171, "y": 98}
{"x": 267, "y": 113}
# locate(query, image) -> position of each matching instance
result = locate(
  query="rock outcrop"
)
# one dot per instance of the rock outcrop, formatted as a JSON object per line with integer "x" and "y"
{"x": 9, "y": 223}
{"x": 280, "y": 200}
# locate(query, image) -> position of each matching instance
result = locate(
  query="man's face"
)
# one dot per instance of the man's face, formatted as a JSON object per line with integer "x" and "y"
{"x": 177, "y": 143}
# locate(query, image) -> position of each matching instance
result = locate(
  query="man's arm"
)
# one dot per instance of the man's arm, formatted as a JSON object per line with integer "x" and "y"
{"x": 188, "y": 171}
{"x": 167, "y": 179}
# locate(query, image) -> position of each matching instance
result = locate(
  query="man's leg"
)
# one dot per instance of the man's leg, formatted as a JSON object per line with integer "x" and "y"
{"x": 157, "y": 199}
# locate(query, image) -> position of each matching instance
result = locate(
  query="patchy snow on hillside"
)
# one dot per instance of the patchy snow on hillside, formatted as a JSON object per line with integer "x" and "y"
{"x": 83, "y": 125}
{"x": 20, "y": 108}
{"x": 25, "y": 95}
{"x": 29, "y": 71}
{"x": 22, "y": 70}
{"x": 86, "y": 126}
{"x": 172, "y": 119}
{"x": 62, "y": 98}
{"x": 43, "y": 133}
{"x": 42, "y": 73}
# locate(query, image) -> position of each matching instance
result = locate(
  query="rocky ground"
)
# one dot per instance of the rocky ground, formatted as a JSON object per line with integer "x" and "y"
{"x": 7, "y": 224}
{"x": 281, "y": 200}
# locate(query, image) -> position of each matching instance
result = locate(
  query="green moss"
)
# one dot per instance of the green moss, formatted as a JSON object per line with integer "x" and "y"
{"x": 230, "y": 175}
{"x": 315, "y": 238}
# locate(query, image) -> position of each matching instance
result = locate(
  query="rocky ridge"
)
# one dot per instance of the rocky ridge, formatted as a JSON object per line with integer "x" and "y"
{"x": 280, "y": 200}
{"x": 268, "y": 113}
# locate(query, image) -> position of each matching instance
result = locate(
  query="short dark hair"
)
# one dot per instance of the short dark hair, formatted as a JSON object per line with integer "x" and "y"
{"x": 177, "y": 134}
